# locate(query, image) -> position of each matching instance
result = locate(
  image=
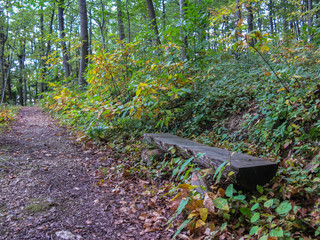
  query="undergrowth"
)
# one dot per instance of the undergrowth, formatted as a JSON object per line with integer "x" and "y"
{"x": 7, "y": 114}
{"x": 238, "y": 103}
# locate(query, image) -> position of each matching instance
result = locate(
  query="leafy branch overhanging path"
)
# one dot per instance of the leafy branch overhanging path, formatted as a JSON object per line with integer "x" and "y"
{"x": 49, "y": 188}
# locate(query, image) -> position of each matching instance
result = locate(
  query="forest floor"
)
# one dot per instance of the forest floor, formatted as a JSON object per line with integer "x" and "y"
{"x": 50, "y": 188}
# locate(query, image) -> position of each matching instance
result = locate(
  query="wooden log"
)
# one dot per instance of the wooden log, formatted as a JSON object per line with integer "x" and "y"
{"x": 249, "y": 171}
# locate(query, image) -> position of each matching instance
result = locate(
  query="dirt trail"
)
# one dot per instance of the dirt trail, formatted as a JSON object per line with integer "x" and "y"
{"x": 49, "y": 191}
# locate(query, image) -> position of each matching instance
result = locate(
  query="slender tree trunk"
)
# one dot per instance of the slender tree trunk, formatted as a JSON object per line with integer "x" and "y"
{"x": 120, "y": 21}
{"x": 129, "y": 24}
{"x": 250, "y": 16}
{"x": 101, "y": 23}
{"x": 65, "y": 57}
{"x": 152, "y": 17}
{"x": 84, "y": 40}
{"x": 3, "y": 39}
{"x": 42, "y": 61}
{"x": 285, "y": 20}
{"x": 183, "y": 37}
{"x": 25, "y": 90}
{"x": 271, "y": 16}
{"x": 21, "y": 58}
{"x": 250, "y": 20}
{"x": 238, "y": 16}
{"x": 9, "y": 85}
{"x": 310, "y": 19}
{"x": 90, "y": 30}
{"x": 164, "y": 15}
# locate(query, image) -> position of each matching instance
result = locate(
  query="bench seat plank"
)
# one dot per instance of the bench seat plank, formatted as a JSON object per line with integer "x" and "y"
{"x": 250, "y": 171}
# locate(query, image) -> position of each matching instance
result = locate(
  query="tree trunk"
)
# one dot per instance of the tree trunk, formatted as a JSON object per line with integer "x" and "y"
{"x": 102, "y": 24}
{"x": 42, "y": 61}
{"x": 183, "y": 38}
{"x": 250, "y": 16}
{"x": 310, "y": 19}
{"x": 152, "y": 17}
{"x": 164, "y": 16}
{"x": 90, "y": 30}
{"x": 65, "y": 57}
{"x": 3, "y": 39}
{"x": 128, "y": 19}
{"x": 21, "y": 58}
{"x": 285, "y": 21}
{"x": 120, "y": 21}
{"x": 250, "y": 20}
{"x": 238, "y": 16}
{"x": 84, "y": 40}
{"x": 271, "y": 16}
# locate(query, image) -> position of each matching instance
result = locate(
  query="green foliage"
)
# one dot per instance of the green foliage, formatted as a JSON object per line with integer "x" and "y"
{"x": 7, "y": 114}
{"x": 260, "y": 99}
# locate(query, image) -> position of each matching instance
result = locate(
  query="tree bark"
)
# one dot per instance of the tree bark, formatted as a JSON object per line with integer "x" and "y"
{"x": 250, "y": 20}
{"x": 84, "y": 40}
{"x": 271, "y": 16}
{"x": 102, "y": 24}
{"x": 238, "y": 16}
{"x": 164, "y": 15}
{"x": 3, "y": 40}
{"x": 65, "y": 57}
{"x": 120, "y": 21}
{"x": 152, "y": 17}
{"x": 250, "y": 16}
{"x": 129, "y": 23}
{"x": 183, "y": 38}
{"x": 42, "y": 61}
{"x": 21, "y": 58}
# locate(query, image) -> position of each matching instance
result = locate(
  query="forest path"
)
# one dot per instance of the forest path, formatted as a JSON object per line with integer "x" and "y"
{"x": 49, "y": 190}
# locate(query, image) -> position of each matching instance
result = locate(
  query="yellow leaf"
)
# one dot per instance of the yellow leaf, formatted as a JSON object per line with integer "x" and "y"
{"x": 193, "y": 214}
{"x": 138, "y": 91}
{"x": 281, "y": 89}
{"x": 203, "y": 213}
{"x": 140, "y": 88}
{"x": 186, "y": 186}
{"x": 56, "y": 97}
{"x": 200, "y": 223}
{"x": 295, "y": 126}
{"x": 264, "y": 48}
{"x": 138, "y": 113}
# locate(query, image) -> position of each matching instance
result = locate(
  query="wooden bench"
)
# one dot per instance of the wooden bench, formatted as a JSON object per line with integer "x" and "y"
{"x": 249, "y": 171}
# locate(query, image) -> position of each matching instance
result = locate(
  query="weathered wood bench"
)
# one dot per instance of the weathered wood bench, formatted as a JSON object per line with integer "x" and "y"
{"x": 249, "y": 171}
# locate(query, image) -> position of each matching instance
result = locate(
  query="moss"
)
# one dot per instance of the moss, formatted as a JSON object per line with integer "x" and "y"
{"x": 39, "y": 206}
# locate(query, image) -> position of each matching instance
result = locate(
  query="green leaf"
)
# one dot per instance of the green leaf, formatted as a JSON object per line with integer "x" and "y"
{"x": 246, "y": 211}
{"x": 254, "y": 230}
{"x": 255, "y": 217}
{"x": 185, "y": 164}
{"x": 255, "y": 206}
{"x": 181, "y": 227}
{"x": 240, "y": 197}
{"x": 229, "y": 191}
{"x": 223, "y": 226}
{"x": 264, "y": 237}
{"x": 221, "y": 203}
{"x": 260, "y": 189}
{"x": 278, "y": 232}
{"x": 182, "y": 205}
{"x": 268, "y": 203}
{"x": 284, "y": 208}
{"x": 317, "y": 232}
{"x": 220, "y": 169}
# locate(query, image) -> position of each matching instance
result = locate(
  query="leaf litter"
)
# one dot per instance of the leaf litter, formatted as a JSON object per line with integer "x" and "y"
{"x": 51, "y": 188}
